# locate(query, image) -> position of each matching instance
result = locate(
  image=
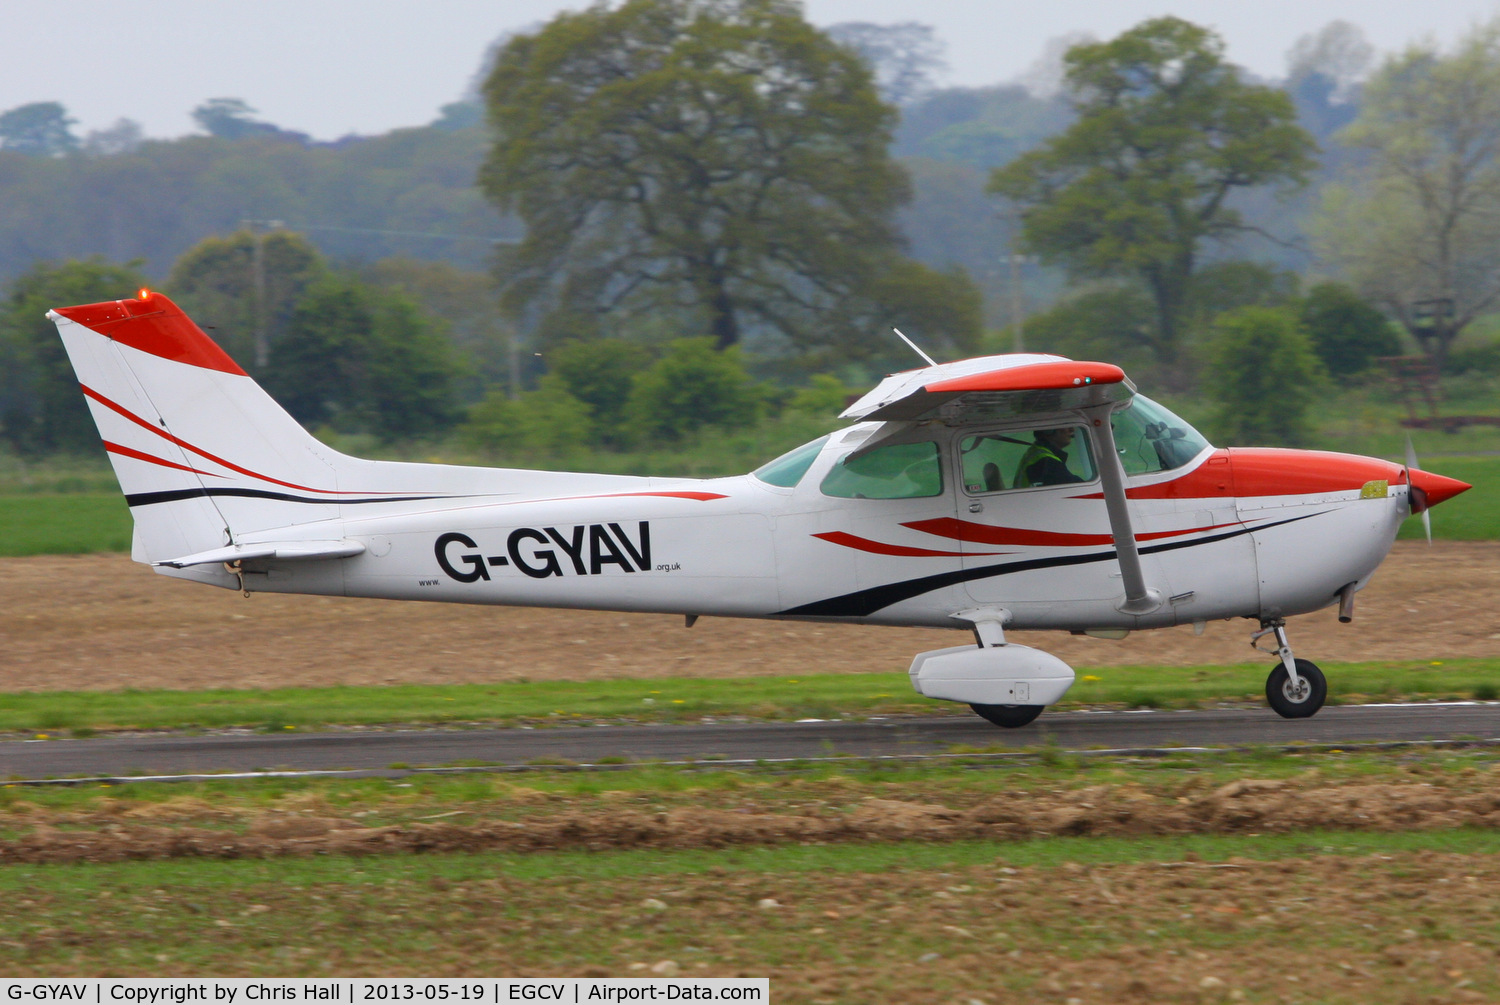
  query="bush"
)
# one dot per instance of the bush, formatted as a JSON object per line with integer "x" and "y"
{"x": 545, "y": 423}
{"x": 693, "y": 386}
{"x": 1264, "y": 376}
{"x": 1347, "y": 332}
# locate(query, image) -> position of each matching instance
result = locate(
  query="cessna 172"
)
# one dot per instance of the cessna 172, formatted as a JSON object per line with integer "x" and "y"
{"x": 1019, "y": 491}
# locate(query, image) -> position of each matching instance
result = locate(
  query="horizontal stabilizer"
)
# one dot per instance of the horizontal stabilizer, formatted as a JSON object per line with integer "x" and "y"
{"x": 286, "y": 551}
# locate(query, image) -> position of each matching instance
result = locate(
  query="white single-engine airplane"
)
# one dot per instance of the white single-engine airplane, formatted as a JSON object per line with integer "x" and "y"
{"x": 1019, "y": 491}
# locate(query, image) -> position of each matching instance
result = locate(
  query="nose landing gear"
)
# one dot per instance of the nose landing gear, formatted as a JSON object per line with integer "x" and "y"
{"x": 1296, "y": 689}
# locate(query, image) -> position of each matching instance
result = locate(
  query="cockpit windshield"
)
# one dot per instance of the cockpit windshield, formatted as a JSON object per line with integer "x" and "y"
{"x": 787, "y": 470}
{"x": 1151, "y": 438}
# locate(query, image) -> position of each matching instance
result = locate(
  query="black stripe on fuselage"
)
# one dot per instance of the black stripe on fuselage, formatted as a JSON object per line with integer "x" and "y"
{"x": 863, "y": 603}
{"x": 177, "y": 495}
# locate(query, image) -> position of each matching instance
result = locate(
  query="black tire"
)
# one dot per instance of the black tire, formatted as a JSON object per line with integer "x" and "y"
{"x": 1009, "y": 716}
{"x": 1302, "y": 703}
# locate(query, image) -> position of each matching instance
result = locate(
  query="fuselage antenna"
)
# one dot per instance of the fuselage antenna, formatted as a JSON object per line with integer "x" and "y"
{"x": 919, "y": 352}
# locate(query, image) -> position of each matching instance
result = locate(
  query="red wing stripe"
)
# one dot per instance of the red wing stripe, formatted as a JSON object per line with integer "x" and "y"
{"x": 979, "y": 533}
{"x": 116, "y": 448}
{"x": 881, "y": 548}
{"x": 122, "y": 410}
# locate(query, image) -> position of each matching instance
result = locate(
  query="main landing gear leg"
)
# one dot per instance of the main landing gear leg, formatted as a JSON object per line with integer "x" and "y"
{"x": 1296, "y": 689}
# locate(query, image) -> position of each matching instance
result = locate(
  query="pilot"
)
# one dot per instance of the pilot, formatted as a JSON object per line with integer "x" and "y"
{"x": 1046, "y": 461}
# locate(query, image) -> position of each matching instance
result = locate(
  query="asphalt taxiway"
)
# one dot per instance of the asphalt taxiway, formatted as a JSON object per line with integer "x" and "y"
{"x": 399, "y": 749}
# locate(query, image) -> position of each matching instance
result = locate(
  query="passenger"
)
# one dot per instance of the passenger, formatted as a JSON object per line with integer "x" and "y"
{"x": 1046, "y": 461}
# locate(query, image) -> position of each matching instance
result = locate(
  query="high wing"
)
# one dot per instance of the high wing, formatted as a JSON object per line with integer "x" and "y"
{"x": 992, "y": 387}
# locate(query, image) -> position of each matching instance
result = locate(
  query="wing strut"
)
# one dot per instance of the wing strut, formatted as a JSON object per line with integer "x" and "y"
{"x": 1139, "y": 598}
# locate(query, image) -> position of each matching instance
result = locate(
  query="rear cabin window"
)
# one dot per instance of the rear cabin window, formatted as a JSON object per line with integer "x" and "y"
{"x": 897, "y": 471}
{"x": 1025, "y": 458}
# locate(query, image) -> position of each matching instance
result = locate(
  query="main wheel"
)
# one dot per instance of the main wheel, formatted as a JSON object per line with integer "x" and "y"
{"x": 1300, "y": 700}
{"x": 1009, "y": 716}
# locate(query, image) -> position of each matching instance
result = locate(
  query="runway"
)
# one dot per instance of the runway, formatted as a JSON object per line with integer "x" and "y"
{"x": 379, "y": 750}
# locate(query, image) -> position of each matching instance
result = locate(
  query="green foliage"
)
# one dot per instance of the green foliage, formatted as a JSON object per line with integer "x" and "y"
{"x": 363, "y": 360}
{"x": 465, "y": 301}
{"x": 1264, "y": 377}
{"x": 1166, "y": 131}
{"x": 156, "y": 199}
{"x": 1347, "y": 331}
{"x": 1421, "y": 219}
{"x": 40, "y": 129}
{"x": 979, "y": 127}
{"x": 41, "y": 408}
{"x": 546, "y": 423}
{"x": 229, "y": 118}
{"x": 243, "y": 284}
{"x": 601, "y": 373}
{"x": 824, "y": 395}
{"x": 1111, "y": 323}
{"x": 719, "y": 163}
{"x": 692, "y": 386}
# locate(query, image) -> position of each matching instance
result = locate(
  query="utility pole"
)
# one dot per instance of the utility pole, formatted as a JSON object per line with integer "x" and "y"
{"x": 1017, "y": 307}
{"x": 258, "y": 284}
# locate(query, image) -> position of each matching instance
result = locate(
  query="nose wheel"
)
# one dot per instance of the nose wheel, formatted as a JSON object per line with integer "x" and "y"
{"x": 1296, "y": 689}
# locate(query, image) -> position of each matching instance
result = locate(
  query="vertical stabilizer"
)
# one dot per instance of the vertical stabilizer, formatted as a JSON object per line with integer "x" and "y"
{"x": 201, "y": 452}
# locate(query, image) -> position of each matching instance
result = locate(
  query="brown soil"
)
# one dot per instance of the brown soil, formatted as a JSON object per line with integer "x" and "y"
{"x": 103, "y": 622}
{"x": 521, "y": 820}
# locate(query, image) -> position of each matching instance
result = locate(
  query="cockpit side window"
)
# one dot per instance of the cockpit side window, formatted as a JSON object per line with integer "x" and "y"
{"x": 896, "y": 471}
{"x": 1025, "y": 458}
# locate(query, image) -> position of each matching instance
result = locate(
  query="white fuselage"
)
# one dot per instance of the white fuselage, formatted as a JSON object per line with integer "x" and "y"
{"x": 1233, "y": 533}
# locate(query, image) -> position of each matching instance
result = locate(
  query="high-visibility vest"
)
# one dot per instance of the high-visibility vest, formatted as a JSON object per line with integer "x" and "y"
{"x": 1036, "y": 452}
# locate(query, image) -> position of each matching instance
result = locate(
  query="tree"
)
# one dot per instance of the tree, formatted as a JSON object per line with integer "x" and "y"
{"x": 363, "y": 360}
{"x": 41, "y": 409}
{"x": 40, "y": 129}
{"x": 600, "y": 373}
{"x": 717, "y": 162}
{"x": 229, "y": 119}
{"x": 124, "y": 137}
{"x": 1166, "y": 132}
{"x": 1264, "y": 378}
{"x": 1418, "y": 230}
{"x": 1347, "y": 331}
{"x": 693, "y": 386}
{"x": 246, "y": 286}
{"x": 903, "y": 57}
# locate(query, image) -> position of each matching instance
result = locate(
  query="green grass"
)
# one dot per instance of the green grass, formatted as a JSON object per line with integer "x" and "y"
{"x": 63, "y": 524}
{"x": 1472, "y": 516}
{"x": 825, "y": 696}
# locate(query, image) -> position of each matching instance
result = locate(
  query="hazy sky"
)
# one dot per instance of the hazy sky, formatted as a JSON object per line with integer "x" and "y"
{"x": 333, "y": 67}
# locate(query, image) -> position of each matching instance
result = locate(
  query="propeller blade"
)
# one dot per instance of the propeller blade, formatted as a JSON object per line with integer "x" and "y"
{"x": 1411, "y": 455}
{"x": 1427, "y": 525}
{"x": 1417, "y": 497}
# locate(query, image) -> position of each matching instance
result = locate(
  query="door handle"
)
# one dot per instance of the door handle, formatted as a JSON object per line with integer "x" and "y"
{"x": 976, "y": 507}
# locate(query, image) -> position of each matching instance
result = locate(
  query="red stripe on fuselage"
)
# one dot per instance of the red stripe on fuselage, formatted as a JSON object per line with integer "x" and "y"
{"x": 982, "y": 533}
{"x": 899, "y": 550}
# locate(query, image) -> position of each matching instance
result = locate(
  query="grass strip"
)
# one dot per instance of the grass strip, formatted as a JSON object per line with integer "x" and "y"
{"x": 677, "y": 699}
{"x": 63, "y": 524}
{"x": 1050, "y": 852}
